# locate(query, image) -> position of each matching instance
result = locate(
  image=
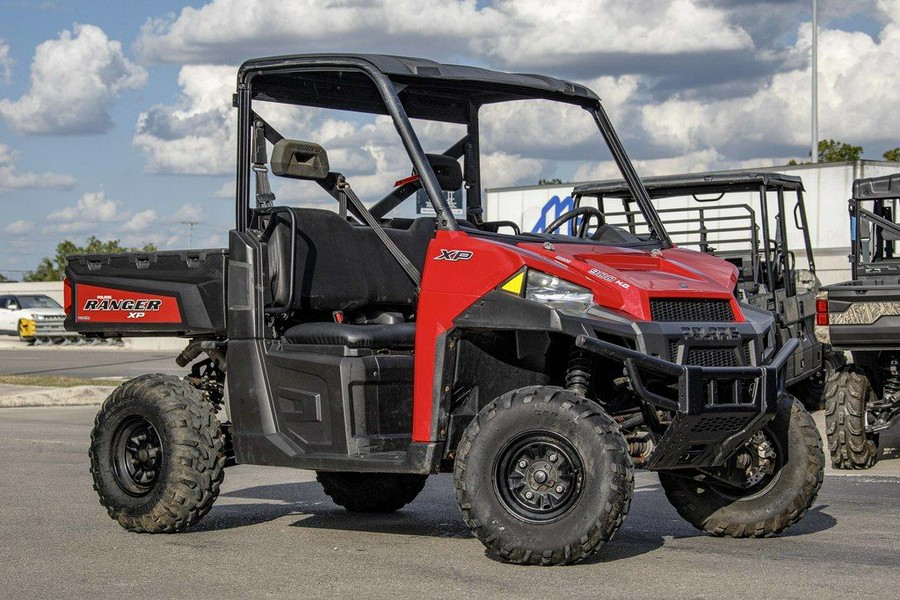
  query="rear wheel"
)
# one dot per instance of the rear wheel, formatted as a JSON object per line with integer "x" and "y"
{"x": 543, "y": 476}
{"x": 157, "y": 454}
{"x": 846, "y": 397}
{"x": 371, "y": 492}
{"x": 764, "y": 488}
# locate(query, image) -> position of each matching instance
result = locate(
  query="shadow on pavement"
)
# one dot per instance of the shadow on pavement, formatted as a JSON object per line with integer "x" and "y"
{"x": 433, "y": 513}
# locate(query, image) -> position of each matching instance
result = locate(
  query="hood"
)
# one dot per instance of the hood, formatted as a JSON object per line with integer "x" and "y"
{"x": 57, "y": 312}
{"x": 627, "y": 278}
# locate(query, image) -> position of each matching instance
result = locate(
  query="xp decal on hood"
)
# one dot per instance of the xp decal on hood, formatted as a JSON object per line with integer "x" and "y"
{"x": 120, "y": 306}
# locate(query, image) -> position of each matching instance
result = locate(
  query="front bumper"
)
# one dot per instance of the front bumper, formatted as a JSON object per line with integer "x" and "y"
{"x": 52, "y": 328}
{"x": 716, "y": 408}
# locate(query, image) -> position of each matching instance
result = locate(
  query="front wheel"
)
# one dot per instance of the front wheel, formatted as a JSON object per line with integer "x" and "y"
{"x": 543, "y": 476}
{"x": 764, "y": 488}
{"x": 846, "y": 396}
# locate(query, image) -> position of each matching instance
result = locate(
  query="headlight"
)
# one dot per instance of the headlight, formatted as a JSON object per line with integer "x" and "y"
{"x": 38, "y": 317}
{"x": 558, "y": 293}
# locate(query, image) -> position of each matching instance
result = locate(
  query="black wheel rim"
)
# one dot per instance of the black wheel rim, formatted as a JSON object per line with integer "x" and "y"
{"x": 538, "y": 477}
{"x": 753, "y": 470}
{"x": 137, "y": 456}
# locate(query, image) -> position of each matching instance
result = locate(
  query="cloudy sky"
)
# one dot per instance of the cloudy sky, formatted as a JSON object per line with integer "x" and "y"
{"x": 116, "y": 118}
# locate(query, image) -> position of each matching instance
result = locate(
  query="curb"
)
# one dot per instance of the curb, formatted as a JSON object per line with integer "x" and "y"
{"x": 14, "y": 396}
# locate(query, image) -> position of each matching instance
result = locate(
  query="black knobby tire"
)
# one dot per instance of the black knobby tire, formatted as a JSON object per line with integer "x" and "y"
{"x": 157, "y": 455}
{"x": 565, "y": 435}
{"x": 371, "y": 492}
{"x": 775, "y": 503}
{"x": 846, "y": 396}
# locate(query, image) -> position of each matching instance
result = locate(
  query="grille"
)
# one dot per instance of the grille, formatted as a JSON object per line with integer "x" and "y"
{"x": 670, "y": 309}
{"x": 724, "y": 423}
{"x": 712, "y": 357}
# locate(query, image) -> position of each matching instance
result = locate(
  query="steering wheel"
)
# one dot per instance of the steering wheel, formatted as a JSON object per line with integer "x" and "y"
{"x": 586, "y": 211}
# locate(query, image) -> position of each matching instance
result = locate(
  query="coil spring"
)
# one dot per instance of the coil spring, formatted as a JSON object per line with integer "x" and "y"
{"x": 892, "y": 382}
{"x": 578, "y": 377}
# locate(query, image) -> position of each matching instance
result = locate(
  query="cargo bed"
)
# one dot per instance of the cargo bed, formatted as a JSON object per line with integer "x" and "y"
{"x": 170, "y": 293}
{"x": 865, "y": 314}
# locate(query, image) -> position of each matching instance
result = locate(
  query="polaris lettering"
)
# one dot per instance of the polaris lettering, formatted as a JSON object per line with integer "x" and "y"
{"x": 144, "y": 305}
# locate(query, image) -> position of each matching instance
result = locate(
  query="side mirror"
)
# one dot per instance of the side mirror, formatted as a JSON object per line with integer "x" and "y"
{"x": 299, "y": 160}
{"x": 12, "y": 306}
{"x": 447, "y": 170}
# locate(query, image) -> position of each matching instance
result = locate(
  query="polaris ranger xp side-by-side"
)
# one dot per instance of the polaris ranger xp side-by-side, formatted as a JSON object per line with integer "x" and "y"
{"x": 377, "y": 347}
{"x": 862, "y": 316}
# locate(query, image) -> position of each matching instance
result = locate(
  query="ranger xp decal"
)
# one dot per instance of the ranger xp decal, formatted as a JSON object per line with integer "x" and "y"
{"x": 454, "y": 255}
{"x": 107, "y": 305}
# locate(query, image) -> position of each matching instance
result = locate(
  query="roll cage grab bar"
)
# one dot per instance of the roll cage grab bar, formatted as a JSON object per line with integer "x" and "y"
{"x": 388, "y": 91}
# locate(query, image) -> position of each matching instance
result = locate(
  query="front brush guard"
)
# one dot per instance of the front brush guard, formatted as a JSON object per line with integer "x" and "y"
{"x": 716, "y": 410}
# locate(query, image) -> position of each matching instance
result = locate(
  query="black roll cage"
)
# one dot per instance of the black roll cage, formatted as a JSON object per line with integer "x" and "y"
{"x": 873, "y": 253}
{"x": 436, "y": 92}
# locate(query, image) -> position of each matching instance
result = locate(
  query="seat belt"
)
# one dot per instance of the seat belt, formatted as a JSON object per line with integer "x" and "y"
{"x": 264, "y": 196}
{"x": 413, "y": 273}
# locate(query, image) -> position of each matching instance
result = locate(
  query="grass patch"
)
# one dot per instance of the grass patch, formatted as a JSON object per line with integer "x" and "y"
{"x": 54, "y": 381}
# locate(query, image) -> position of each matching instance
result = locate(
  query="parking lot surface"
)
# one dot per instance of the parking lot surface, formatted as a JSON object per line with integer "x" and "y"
{"x": 273, "y": 533}
{"x": 86, "y": 362}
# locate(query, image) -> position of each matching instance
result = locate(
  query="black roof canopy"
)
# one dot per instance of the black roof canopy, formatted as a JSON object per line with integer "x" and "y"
{"x": 428, "y": 89}
{"x": 695, "y": 183}
{"x": 886, "y": 187}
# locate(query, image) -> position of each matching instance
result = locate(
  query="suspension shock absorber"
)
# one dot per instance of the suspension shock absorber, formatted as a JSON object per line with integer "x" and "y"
{"x": 578, "y": 376}
{"x": 892, "y": 381}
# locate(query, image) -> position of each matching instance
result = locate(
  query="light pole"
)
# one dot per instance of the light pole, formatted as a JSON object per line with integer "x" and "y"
{"x": 814, "y": 146}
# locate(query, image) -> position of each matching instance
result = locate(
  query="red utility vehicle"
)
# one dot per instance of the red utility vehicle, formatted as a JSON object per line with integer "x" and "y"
{"x": 378, "y": 349}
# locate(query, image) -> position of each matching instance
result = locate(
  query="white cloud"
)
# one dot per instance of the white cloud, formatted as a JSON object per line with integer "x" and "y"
{"x": 856, "y": 92}
{"x": 581, "y": 33}
{"x": 187, "y": 212}
{"x": 19, "y": 227}
{"x": 74, "y": 81}
{"x": 197, "y": 135}
{"x": 502, "y": 170}
{"x": 91, "y": 207}
{"x": 141, "y": 221}
{"x": 233, "y": 30}
{"x": 12, "y": 179}
{"x": 685, "y": 128}
{"x": 512, "y": 32}
{"x": 5, "y": 62}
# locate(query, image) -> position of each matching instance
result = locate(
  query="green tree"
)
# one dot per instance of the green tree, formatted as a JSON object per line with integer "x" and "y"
{"x": 52, "y": 269}
{"x": 892, "y": 155}
{"x": 554, "y": 181}
{"x": 835, "y": 151}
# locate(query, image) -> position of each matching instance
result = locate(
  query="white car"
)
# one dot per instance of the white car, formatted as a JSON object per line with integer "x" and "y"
{"x": 20, "y": 313}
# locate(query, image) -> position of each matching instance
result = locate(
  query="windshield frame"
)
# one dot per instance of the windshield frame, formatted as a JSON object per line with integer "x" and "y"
{"x": 439, "y": 92}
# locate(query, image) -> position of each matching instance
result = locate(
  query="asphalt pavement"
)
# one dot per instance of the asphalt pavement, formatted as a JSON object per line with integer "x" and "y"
{"x": 87, "y": 362}
{"x": 273, "y": 533}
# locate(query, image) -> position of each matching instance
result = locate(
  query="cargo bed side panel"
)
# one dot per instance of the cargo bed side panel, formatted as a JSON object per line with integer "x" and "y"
{"x": 178, "y": 292}
{"x": 864, "y": 315}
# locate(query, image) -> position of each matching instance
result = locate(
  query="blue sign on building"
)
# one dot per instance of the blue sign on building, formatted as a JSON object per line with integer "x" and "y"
{"x": 551, "y": 210}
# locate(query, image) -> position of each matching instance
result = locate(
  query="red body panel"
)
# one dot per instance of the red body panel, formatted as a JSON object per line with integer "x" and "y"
{"x": 109, "y": 305}
{"x": 461, "y": 268}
